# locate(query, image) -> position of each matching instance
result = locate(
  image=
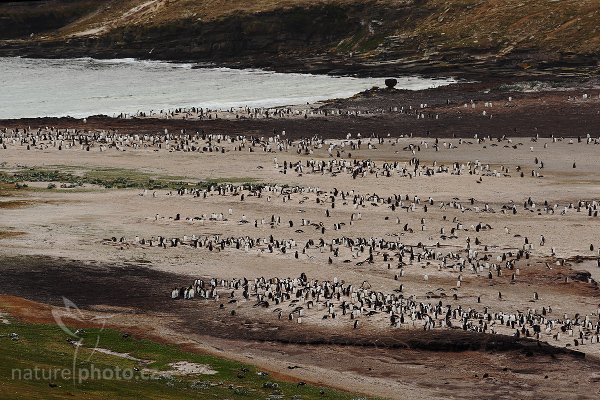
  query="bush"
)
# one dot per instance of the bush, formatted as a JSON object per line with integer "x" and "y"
{"x": 391, "y": 82}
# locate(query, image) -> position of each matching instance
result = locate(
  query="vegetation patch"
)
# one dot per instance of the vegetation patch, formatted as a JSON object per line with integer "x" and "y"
{"x": 10, "y": 234}
{"x": 112, "y": 178}
{"x": 12, "y": 204}
{"x": 26, "y": 346}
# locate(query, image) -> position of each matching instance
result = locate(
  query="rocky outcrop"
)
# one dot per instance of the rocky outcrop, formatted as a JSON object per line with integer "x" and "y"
{"x": 22, "y": 19}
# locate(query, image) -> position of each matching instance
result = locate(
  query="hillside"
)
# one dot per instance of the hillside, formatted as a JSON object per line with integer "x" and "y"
{"x": 348, "y": 36}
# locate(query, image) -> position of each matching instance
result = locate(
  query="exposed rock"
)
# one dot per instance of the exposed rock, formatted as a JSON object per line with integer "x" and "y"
{"x": 379, "y": 38}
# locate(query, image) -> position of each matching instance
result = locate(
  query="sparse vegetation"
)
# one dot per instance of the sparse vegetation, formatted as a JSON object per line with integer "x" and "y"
{"x": 11, "y": 204}
{"x": 111, "y": 178}
{"x": 10, "y": 234}
{"x": 525, "y": 34}
{"x": 45, "y": 346}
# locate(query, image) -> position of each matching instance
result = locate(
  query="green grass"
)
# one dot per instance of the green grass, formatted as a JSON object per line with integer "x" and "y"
{"x": 112, "y": 178}
{"x": 45, "y": 346}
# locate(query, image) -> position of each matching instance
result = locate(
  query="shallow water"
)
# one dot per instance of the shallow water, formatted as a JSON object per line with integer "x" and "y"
{"x": 84, "y": 86}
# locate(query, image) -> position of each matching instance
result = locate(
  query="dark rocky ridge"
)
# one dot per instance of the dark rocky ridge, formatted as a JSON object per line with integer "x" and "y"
{"x": 353, "y": 37}
{"x": 21, "y": 19}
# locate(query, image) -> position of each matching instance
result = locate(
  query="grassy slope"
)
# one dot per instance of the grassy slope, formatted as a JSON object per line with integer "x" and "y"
{"x": 45, "y": 346}
{"x": 427, "y": 26}
{"x": 565, "y": 25}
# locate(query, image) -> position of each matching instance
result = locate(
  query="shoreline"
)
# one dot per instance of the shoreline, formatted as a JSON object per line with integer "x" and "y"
{"x": 514, "y": 111}
{"x": 484, "y": 71}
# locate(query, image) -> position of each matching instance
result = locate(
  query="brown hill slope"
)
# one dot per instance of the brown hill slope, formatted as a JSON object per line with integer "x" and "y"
{"x": 375, "y": 36}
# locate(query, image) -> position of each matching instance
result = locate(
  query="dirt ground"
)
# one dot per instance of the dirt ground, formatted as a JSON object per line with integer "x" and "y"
{"x": 444, "y": 364}
{"x": 59, "y": 242}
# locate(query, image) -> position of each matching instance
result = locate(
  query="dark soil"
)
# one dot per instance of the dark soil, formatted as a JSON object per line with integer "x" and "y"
{"x": 145, "y": 290}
